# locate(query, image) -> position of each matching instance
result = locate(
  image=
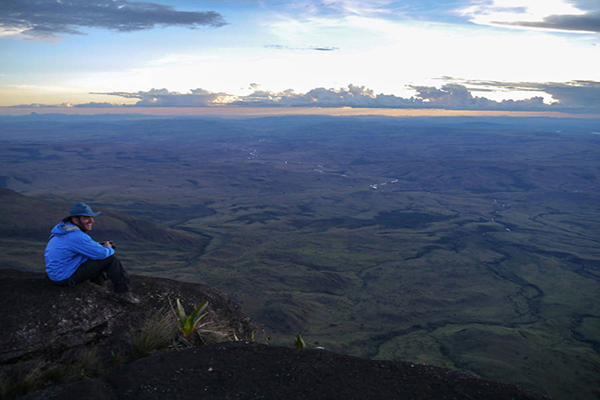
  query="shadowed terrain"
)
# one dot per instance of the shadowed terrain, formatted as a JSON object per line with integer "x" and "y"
{"x": 253, "y": 371}
{"x": 467, "y": 246}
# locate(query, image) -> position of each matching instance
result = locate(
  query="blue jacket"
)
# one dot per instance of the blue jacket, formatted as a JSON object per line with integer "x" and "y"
{"x": 68, "y": 248}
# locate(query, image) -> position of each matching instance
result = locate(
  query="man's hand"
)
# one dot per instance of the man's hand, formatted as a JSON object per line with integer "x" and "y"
{"x": 108, "y": 244}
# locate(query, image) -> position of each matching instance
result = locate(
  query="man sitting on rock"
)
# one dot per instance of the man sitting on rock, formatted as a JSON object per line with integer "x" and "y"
{"x": 73, "y": 257}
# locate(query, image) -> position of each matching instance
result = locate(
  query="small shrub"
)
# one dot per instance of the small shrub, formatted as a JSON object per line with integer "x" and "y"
{"x": 188, "y": 323}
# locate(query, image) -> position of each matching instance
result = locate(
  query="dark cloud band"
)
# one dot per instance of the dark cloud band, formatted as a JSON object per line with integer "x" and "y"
{"x": 589, "y": 22}
{"x": 56, "y": 17}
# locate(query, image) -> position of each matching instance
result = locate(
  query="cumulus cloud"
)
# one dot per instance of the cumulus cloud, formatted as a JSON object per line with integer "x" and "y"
{"x": 574, "y": 97}
{"x": 455, "y": 96}
{"x": 165, "y": 98}
{"x": 50, "y": 18}
{"x": 352, "y": 96}
{"x": 450, "y": 96}
{"x": 579, "y": 94}
{"x": 575, "y": 94}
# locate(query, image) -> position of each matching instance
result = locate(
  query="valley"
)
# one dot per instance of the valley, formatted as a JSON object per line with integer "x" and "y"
{"x": 472, "y": 246}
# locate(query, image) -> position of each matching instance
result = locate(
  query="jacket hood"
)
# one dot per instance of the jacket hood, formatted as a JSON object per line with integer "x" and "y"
{"x": 63, "y": 228}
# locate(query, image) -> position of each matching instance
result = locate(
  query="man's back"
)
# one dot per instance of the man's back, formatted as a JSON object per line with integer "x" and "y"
{"x": 68, "y": 248}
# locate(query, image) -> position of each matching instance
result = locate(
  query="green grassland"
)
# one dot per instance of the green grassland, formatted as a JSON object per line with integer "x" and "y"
{"x": 468, "y": 248}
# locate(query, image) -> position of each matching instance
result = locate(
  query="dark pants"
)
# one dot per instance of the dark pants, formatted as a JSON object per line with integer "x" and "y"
{"x": 93, "y": 270}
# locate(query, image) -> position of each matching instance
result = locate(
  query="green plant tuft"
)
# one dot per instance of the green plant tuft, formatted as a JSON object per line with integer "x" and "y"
{"x": 188, "y": 323}
{"x": 300, "y": 344}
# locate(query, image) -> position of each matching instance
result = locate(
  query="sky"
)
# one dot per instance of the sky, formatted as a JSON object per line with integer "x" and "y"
{"x": 492, "y": 55}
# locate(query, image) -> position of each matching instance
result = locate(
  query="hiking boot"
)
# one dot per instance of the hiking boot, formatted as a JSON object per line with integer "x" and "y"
{"x": 128, "y": 297}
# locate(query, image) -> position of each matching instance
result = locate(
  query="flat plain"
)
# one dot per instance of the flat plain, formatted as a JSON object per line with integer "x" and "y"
{"x": 470, "y": 244}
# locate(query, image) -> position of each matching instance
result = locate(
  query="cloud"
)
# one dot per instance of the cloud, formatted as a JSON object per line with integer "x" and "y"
{"x": 588, "y": 22}
{"x": 317, "y": 48}
{"x": 577, "y": 94}
{"x": 574, "y": 97}
{"x": 165, "y": 98}
{"x": 352, "y": 96}
{"x": 451, "y": 96}
{"x": 70, "y": 105}
{"x": 364, "y": 8}
{"x": 455, "y": 96}
{"x": 94, "y": 104}
{"x": 563, "y": 15}
{"x": 50, "y": 18}
{"x": 324, "y": 48}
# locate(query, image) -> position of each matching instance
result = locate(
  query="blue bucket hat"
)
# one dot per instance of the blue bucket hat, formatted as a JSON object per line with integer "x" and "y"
{"x": 82, "y": 210}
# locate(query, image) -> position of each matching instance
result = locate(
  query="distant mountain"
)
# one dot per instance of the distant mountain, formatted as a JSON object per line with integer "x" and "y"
{"x": 565, "y": 124}
{"x": 29, "y": 218}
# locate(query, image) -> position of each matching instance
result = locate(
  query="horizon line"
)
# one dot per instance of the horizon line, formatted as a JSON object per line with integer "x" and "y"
{"x": 236, "y": 112}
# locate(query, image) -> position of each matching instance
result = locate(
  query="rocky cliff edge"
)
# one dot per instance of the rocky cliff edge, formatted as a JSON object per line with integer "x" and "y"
{"x": 45, "y": 326}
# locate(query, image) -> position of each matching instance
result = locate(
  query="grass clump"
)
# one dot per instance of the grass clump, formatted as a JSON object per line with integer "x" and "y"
{"x": 42, "y": 374}
{"x": 165, "y": 331}
{"x": 157, "y": 334}
{"x": 20, "y": 384}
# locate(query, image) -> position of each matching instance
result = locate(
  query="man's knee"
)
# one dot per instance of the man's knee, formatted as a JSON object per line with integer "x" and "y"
{"x": 112, "y": 260}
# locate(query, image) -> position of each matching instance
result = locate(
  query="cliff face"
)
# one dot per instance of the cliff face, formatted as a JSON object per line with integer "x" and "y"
{"x": 45, "y": 325}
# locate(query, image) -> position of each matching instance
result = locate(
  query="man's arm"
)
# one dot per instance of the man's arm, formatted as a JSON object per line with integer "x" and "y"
{"x": 83, "y": 244}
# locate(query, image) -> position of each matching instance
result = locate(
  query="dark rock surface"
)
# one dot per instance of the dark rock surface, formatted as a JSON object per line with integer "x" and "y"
{"x": 45, "y": 323}
{"x": 41, "y": 321}
{"x": 242, "y": 370}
